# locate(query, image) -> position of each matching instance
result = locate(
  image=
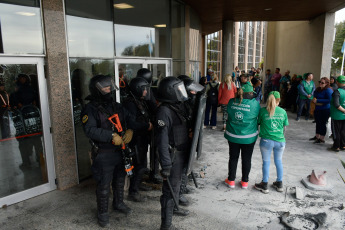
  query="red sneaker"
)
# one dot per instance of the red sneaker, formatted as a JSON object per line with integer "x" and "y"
{"x": 244, "y": 184}
{"x": 229, "y": 183}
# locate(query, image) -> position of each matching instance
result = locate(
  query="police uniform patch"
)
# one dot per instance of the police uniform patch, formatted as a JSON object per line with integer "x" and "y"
{"x": 85, "y": 118}
{"x": 161, "y": 123}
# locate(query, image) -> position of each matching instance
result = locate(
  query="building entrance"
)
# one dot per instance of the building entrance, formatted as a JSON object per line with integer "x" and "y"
{"x": 126, "y": 69}
{"x": 26, "y": 157}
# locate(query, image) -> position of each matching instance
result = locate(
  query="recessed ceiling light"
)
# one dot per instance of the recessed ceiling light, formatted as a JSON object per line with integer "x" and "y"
{"x": 268, "y": 9}
{"x": 26, "y": 13}
{"x": 161, "y": 25}
{"x": 123, "y": 6}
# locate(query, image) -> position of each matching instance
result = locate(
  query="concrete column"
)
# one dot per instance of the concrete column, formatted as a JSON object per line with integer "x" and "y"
{"x": 237, "y": 30}
{"x": 254, "y": 42}
{"x": 227, "y": 62}
{"x": 203, "y": 55}
{"x": 246, "y": 47}
{"x": 59, "y": 93}
{"x": 327, "y": 45}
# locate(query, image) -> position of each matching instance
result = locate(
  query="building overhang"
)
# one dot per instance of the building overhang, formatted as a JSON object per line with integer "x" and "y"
{"x": 213, "y": 13}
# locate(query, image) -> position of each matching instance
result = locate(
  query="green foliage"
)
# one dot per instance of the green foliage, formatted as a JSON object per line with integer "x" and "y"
{"x": 338, "y": 43}
{"x": 140, "y": 50}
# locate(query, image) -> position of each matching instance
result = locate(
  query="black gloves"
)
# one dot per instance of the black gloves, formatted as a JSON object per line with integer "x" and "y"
{"x": 165, "y": 172}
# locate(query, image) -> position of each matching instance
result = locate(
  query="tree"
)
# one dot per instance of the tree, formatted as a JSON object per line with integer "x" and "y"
{"x": 338, "y": 44}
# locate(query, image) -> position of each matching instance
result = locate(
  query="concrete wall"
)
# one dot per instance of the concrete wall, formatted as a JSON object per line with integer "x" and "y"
{"x": 298, "y": 46}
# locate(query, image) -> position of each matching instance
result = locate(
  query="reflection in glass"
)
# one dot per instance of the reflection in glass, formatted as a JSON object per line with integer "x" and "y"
{"x": 90, "y": 37}
{"x": 21, "y": 28}
{"x": 135, "y": 41}
{"x": 126, "y": 73}
{"x": 143, "y": 30}
{"x": 82, "y": 70}
{"x": 158, "y": 73}
{"x": 22, "y": 158}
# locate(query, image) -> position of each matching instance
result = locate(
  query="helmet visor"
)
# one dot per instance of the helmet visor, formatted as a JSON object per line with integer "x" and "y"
{"x": 146, "y": 92}
{"x": 106, "y": 86}
{"x": 181, "y": 92}
{"x": 196, "y": 87}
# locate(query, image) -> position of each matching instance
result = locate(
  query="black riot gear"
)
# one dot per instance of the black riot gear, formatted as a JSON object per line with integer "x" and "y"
{"x": 171, "y": 90}
{"x": 138, "y": 86}
{"x": 102, "y": 88}
{"x": 108, "y": 162}
{"x": 146, "y": 74}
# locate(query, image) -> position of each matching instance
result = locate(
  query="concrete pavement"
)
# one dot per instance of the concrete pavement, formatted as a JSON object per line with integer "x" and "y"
{"x": 213, "y": 205}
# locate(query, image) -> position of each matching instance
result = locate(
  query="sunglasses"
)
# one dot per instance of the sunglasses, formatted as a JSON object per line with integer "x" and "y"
{"x": 321, "y": 82}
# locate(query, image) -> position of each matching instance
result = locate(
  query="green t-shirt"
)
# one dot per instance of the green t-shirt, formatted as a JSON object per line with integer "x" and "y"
{"x": 308, "y": 88}
{"x": 242, "y": 126}
{"x": 336, "y": 114}
{"x": 272, "y": 128}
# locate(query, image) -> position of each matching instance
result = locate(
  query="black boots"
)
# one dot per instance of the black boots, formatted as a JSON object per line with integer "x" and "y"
{"x": 118, "y": 192}
{"x": 183, "y": 200}
{"x": 102, "y": 206}
{"x": 167, "y": 206}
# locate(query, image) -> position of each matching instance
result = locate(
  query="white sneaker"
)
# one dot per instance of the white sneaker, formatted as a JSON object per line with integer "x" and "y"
{"x": 214, "y": 127}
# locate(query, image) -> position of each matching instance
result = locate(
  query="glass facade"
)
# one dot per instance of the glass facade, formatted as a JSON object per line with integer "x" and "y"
{"x": 21, "y": 27}
{"x": 214, "y": 46}
{"x": 241, "y": 45}
{"x": 100, "y": 32}
{"x": 250, "y": 46}
{"x": 143, "y": 30}
{"x": 21, "y": 138}
{"x": 214, "y": 56}
{"x": 258, "y": 43}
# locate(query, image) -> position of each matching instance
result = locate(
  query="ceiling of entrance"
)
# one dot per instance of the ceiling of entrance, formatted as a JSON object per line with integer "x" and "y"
{"x": 212, "y": 13}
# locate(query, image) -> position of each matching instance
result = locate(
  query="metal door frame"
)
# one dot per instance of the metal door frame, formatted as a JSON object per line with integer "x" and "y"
{"x": 47, "y": 137}
{"x": 144, "y": 62}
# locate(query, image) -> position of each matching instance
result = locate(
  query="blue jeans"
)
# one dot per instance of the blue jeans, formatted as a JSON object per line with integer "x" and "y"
{"x": 266, "y": 147}
{"x": 301, "y": 106}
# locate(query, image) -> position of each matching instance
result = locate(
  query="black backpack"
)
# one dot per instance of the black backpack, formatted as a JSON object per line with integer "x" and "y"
{"x": 212, "y": 94}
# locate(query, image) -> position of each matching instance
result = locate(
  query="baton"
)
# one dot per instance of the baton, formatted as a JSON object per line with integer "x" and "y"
{"x": 172, "y": 194}
{"x": 194, "y": 180}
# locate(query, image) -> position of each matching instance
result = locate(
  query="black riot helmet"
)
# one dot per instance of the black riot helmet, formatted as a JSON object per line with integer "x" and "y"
{"x": 191, "y": 86}
{"x": 102, "y": 88}
{"x": 171, "y": 90}
{"x": 146, "y": 74}
{"x": 140, "y": 88}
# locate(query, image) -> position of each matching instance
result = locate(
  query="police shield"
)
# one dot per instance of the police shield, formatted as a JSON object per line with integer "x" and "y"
{"x": 198, "y": 118}
{"x": 32, "y": 119}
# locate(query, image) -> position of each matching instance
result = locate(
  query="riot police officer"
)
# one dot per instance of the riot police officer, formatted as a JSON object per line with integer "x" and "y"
{"x": 193, "y": 89}
{"x": 109, "y": 127}
{"x": 136, "y": 104}
{"x": 172, "y": 142}
{"x": 152, "y": 105}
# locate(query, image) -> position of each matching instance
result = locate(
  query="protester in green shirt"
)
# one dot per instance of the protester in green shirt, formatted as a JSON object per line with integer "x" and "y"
{"x": 241, "y": 132}
{"x": 338, "y": 115}
{"x": 306, "y": 91}
{"x": 272, "y": 120}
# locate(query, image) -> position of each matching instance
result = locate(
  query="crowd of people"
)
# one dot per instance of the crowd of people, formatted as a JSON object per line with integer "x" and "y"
{"x": 240, "y": 95}
{"x": 166, "y": 119}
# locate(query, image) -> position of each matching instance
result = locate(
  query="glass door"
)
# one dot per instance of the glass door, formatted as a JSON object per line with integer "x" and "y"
{"x": 127, "y": 68}
{"x": 26, "y": 157}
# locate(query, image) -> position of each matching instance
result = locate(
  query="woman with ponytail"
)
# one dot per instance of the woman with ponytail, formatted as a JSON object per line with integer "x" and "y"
{"x": 227, "y": 90}
{"x": 241, "y": 132}
{"x": 272, "y": 120}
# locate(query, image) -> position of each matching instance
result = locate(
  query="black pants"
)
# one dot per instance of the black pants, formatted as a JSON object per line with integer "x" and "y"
{"x": 175, "y": 176}
{"x": 108, "y": 169}
{"x": 321, "y": 119}
{"x": 246, "y": 156}
{"x": 139, "y": 162}
{"x": 338, "y": 133}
